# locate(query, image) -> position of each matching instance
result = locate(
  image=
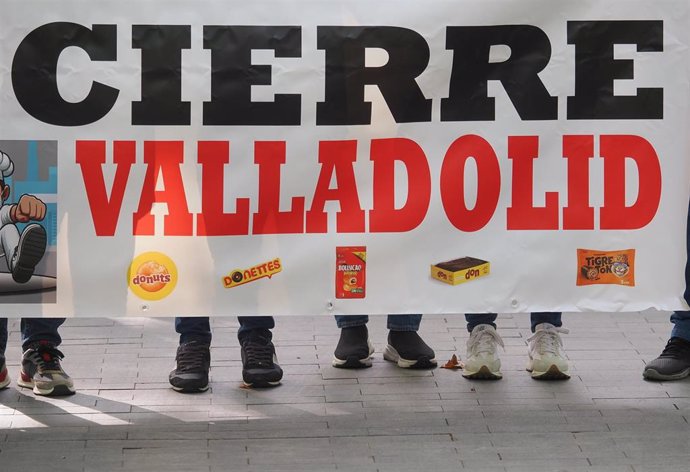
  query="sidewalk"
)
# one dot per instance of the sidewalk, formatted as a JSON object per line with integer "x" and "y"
{"x": 125, "y": 417}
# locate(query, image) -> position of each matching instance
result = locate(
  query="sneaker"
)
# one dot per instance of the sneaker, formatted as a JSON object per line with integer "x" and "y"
{"x": 4, "y": 377}
{"x": 354, "y": 349}
{"x": 482, "y": 362}
{"x": 41, "y": 371}
{"x": 672, "y": 364}
{"x": 28, "y": 253}
{"x": 408, "y": 350}
{"x": 259, "y": 362}
{"x": 546, "y": 362}
{"x": 192, "y": 363}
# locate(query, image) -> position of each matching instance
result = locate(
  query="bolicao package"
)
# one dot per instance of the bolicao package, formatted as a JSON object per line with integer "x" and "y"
{"x": 350, "y": 271}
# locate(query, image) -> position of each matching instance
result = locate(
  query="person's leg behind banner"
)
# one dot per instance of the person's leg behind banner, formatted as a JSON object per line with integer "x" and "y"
{"x": 354, "y": 349}
{"x": 259, "y": 361}
{"x": 41, "y": 369}
{"x": 546, "y": 361}
{"x": 546, "y": 358}
{"x": 193, "y": 357}
{"x": 674, "y": 361}
{"x": 481, "y": 360}
{"x": 404, "y": 347}
{"x": 4, "y": 376}
{"x": 193, "y": 360}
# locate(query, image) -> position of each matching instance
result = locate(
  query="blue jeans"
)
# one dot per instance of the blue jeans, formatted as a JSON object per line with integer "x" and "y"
{"x": 199, "y": 328}
{"x": 395, "y": 322}
{"x": 681, "y": 319}
{"x": 536, "y": 317}
{"x": 33, "y": 329}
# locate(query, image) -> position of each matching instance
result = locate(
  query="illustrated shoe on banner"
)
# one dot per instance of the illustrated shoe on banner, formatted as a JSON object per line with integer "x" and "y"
{"x": 482, "y": 362}
{"x": 28, "y": 253}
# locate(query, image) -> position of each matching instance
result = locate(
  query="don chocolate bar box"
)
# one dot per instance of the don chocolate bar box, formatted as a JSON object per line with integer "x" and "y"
{"x": 461, "y": 270}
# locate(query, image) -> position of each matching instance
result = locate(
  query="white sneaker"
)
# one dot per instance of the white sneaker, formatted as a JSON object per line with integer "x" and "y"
{"x": 481, "y": 361}
{"x": 546, "y": 362}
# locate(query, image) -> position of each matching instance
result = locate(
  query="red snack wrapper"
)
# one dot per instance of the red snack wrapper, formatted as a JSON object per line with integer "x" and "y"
{"x": 350, "y": 271}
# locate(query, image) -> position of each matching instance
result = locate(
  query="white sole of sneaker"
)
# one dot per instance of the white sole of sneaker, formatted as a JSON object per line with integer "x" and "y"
{"x": 189, "y": 390}
{"x": 390, "y": 354}
{"x": 552, "y": 373}
{"x": 352, "y": 363}
{"x": 484, "y": 373}
{"x": 263, "y": 385}
{"x": 654, "y": 375}
{"x": 58, "y": 390}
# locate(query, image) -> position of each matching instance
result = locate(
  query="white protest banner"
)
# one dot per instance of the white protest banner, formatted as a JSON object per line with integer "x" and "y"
{"x": 321, "y": 157}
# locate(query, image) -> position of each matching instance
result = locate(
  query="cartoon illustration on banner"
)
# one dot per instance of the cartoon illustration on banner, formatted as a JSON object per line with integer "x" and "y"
{"x": 28, "y": 177}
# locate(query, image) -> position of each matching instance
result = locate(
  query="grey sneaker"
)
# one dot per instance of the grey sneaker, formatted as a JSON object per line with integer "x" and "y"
{"x": 481, "y": 361}
{"x": 260, "y": 367}
{"x": 192, "y": 363}
{"x": 42, "y": 372}
{"x": 672, "y": 364}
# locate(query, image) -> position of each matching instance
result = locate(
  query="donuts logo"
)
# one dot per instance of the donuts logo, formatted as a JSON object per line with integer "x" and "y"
{"x": 152, "y": 276}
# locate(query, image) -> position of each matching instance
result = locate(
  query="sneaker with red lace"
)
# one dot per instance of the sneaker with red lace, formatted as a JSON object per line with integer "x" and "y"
{"x": 41, "y": 371}
{"x": 4, "y": 378}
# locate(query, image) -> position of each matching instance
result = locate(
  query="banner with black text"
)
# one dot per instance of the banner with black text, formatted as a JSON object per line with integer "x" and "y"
{"x": 217, "y": 157}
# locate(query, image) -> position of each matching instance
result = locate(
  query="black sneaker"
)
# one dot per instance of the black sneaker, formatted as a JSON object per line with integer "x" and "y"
{"x": 408, "y": 350}
{"x": 192, "y": 363}
{"x": 41, "y": 371}
{"x": 259, "y": 362}
{"x": 4, "y": 377}
{"x": 28, "y": 253}
{"x": 354, "y": 349}
{"x": 672, "y": 364}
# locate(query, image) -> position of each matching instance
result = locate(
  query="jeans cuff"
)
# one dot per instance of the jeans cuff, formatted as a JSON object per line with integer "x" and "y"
{"x": 403, "y": 328}
{"x": 351, "y": 324}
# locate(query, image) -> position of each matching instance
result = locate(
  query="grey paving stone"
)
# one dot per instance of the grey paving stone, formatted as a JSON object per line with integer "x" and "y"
{"x": 126, "y": 417}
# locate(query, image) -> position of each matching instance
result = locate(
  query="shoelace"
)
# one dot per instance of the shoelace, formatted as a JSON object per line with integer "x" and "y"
{"x": 676, "y": 349}
{"x": 484, "y": 342}
{"x": 548, "y": 340}
{"x": 47, "y": 358}
{"x": 259, "y": 353}
{"x": 190, "y": 357}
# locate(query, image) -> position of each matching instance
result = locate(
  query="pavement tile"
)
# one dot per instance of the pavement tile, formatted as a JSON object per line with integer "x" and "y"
{"x": 126, "y": 418}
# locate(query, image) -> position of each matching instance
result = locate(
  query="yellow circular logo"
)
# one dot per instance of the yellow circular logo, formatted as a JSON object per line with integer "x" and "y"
{"x": 152, "y": 276}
